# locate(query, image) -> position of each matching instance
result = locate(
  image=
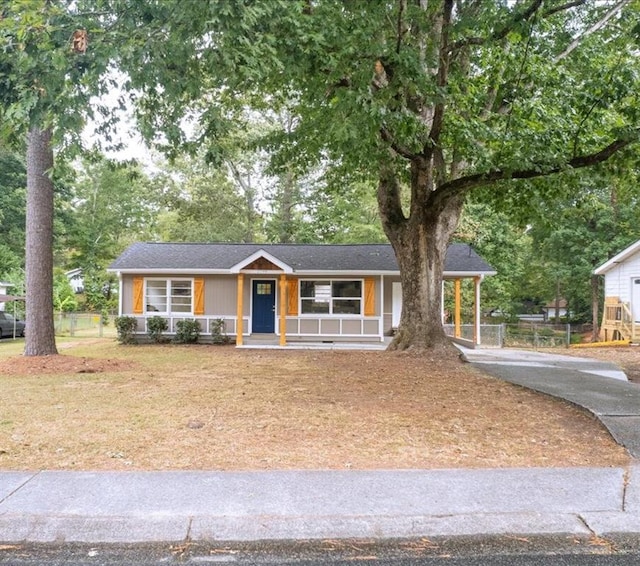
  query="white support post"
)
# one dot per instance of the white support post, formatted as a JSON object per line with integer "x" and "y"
{"x": 476, "y": 329}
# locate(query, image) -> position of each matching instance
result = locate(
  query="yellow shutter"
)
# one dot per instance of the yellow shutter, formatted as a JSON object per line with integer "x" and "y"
{"x": 138, "y": 295}
{"x": 292, "y": 297}
{"x": 198, "y": 295}
{"x": 369, "y": 296}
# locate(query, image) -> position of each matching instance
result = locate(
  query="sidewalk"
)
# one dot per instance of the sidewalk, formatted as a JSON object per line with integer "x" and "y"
{"x": 123, "y": 507}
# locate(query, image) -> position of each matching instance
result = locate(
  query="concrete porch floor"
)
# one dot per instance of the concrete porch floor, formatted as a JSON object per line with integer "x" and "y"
{"x": 270, "y": 342}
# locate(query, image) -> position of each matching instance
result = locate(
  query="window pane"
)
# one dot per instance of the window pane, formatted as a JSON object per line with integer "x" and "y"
{"x": 180, "y": 288}
{"x": 310, "y": 306}
{"x": 181, "y": 305}
{"x": 156, "y": 299}
{"x": 181, "y": 296}
{"x": 307, "y": 288}
{"x": 346, "y": 306}
{"x": 347, "y": 289}
{"x": 319, "y": 291}
{"x": 263, "y": 288}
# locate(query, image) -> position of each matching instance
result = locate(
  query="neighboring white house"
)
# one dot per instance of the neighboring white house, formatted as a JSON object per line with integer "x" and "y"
{"x": 76, "y": 279}
{"x": 621, "y": 317}
{"x": 549, "y": 310}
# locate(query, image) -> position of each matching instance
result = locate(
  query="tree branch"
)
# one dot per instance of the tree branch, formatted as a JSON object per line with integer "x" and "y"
{"x": 389, "y": 200}
{"x": 442, "y": 76}
{"x": 504, "y": 31}
{"x": 399, "y": 149}
{"x": 402, "y": 4}
{"x": 595, "y": 27}
{"x": 472, "y": 181}
{"x": 563, "y": 7}
{"x": 519, "y": 17}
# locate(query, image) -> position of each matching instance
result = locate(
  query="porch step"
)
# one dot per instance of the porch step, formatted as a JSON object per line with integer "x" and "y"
{"x": 261, "y": 340}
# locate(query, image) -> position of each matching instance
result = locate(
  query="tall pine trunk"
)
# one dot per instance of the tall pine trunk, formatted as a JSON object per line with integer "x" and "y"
{"x": 40, "y": 335}
{"x": 420, "y": 241}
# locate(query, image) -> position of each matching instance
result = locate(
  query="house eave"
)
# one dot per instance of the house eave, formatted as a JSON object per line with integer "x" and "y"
{"x": 184, "y": 272}
{"x": 618, "y": 258}
{"x": 454, "y": 274}
{"x": 168, "y": 271}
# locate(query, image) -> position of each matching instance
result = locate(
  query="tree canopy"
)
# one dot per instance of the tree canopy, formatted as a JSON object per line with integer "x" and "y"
{"x": 431, "y": 98}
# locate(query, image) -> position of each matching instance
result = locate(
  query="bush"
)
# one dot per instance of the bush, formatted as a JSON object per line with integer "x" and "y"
{"x": 156, "y": 325}
{"x": 126, "y": 327}
{"x": 219, "y": 332}
{"x": 187, "y": 332}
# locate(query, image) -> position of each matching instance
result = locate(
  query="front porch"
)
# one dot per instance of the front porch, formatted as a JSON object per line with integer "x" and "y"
{"x": 283, "y": 321}
{"x": 618, "y": 321}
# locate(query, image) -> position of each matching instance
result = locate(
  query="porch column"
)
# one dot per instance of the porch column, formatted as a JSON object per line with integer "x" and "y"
{"x": 240, "y": 309}
{"x": 476, "y": 310}
{"x": 120, "y": 294}
{"x": 283, "y": 309}
{"x": 457, "y": 309}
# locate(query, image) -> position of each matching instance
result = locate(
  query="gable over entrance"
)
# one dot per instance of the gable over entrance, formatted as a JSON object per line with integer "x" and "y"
{"x": 261, "y": 261}
{"x": 262, "y": 264}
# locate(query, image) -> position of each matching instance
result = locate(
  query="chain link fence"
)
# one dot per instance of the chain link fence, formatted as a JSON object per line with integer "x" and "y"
{"x": 83, "y": 324}
{"x": 520, "y": 335}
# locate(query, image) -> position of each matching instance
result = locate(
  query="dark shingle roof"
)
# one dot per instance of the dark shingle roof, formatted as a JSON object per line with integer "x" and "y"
{"x": 148, "y": 256}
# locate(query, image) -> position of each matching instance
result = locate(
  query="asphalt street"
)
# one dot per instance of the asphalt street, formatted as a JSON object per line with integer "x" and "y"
{"x": 489, "y": 551}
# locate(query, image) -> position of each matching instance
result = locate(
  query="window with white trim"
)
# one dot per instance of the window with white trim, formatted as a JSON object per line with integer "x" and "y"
{"x": 342, "y": 297}
{"x": 169, "y": 296}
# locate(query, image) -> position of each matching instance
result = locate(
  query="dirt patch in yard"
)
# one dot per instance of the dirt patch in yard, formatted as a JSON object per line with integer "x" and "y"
{"x": 47, "y": 365}
{"x": 108, "y": 407}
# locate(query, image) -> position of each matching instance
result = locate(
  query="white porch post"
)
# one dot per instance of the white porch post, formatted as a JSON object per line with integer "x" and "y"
{"x": 476, "y": 310}
{"x": 120, "y": 294}
{"x": 239, "y": 310}
{"x": 283, "y": 309}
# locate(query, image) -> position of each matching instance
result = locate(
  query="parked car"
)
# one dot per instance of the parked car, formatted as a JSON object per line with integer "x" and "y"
{"x": 9, "y": 325}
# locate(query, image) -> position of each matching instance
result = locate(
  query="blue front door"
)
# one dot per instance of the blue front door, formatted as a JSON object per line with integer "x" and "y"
{"x": 264, "y": 306}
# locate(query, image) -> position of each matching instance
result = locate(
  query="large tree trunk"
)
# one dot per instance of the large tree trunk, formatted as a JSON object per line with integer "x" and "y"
{"x": 420, "y": 244}
{"x": 40, "y": 335}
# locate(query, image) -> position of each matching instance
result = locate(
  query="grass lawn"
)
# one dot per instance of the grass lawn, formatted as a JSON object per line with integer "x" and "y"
{"x": 102, "y": 406}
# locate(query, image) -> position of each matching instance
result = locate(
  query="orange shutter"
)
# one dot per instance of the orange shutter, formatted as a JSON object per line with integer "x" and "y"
{"x": 292, "y": 297}
{"x": 198, "y": 295}
{"x": 138, "y": 295}
{"x": 369, "y": 296}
